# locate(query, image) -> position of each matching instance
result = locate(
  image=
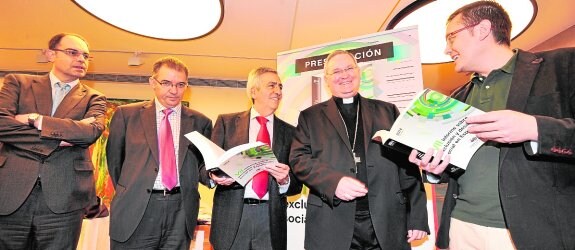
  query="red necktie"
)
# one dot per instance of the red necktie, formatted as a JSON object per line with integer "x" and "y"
{"x": 260, "y": 180}
{"x": 167, "y": 152}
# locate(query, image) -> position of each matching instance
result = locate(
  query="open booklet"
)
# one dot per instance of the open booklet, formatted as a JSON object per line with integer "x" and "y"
{"x": 433, "y": 120}
{"x": 241, "y": 162}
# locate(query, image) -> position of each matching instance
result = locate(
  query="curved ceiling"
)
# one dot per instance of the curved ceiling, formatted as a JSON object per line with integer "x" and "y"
{"x": 251, "y": 34}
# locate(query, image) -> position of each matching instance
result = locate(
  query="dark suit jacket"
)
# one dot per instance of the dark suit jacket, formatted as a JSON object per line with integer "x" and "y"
{"x": 26, "y": 153}
{"x": 321, "y": 156}
{"x": 232, "y": 130}
{"x": 537, "y": 191}
{"x": 133, "y": 161}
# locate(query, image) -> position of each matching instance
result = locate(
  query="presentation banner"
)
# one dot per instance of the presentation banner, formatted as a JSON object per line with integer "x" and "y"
{"x": 390, "y": 71}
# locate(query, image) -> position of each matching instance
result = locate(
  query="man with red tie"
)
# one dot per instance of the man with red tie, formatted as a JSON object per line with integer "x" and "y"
{"x": 254, "y": 216}
{"x": 154, "y": 169}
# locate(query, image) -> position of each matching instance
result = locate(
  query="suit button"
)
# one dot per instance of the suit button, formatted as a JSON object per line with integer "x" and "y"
{"x": 156, "y": 169}
{"x": 455, "y": 196}
{"x": 148, "y": 190}
{"x": 352, "y": 170}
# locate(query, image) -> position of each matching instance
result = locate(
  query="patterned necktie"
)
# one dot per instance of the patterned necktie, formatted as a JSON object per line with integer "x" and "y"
{"x": 61, "y": 91}
{"x": 260, "y": 180}
{"x": 167, "y": 152}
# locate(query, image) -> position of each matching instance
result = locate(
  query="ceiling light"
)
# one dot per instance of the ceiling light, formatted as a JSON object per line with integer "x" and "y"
{"x": 431, "y": 18}
{"x": 174, "y": 20}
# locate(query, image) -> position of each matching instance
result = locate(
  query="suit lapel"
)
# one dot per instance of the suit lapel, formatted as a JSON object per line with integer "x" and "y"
{"x": 242, "y": 123}
{"x": 462, "y": 92}
{"x": 43, "y": 95}
{"x": 330, "y": 110}
{"x": 148, "y": 120}
{"x": 526, "y": 68}
{"x": 186, "y": 125}
{"x": 367, "y": 120}
{"x": 70, "y": 100}
{"x": 278, "y": 136}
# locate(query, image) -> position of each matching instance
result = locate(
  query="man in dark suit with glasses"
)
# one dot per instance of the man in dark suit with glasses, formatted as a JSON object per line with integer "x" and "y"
{"x": 47, "y": 124}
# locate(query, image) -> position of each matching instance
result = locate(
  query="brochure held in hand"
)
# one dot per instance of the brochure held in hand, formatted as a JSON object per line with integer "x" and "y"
{"x": 433, "y": 120}
{"x": 240, "y": 163}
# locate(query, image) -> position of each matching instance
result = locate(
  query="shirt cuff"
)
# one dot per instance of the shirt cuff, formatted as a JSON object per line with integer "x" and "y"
{"x": 432, "y": 178}
{"x": 40, "y": 122}
{"x": 534, "y": 146}
{"x": 284, "y": 188}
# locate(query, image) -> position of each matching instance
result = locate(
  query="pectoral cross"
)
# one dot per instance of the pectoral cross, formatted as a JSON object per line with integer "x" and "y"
{"x": 356, "y": 158}
{"x": 357, "y": 161}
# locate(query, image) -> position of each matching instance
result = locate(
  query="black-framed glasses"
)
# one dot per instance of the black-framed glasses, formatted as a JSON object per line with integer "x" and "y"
{"x": 340, "y": 72}
{"x": 168, "y": 84}
{"x": 449, "y": 37}
{"x": 74, "y": 53}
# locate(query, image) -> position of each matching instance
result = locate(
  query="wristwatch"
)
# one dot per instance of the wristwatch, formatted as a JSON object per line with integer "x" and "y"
{"x": 32, "y": 118}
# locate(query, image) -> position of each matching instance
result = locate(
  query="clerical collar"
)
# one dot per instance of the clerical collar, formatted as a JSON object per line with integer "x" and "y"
{"x": 350, "y": 100}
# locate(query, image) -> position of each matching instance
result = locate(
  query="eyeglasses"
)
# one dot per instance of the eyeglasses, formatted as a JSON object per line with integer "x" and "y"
{"x": 74, "y": 53}
{"x": 451, "y": 35}
{"x": 169, "y": 85}
{"x": 340, "y": 72}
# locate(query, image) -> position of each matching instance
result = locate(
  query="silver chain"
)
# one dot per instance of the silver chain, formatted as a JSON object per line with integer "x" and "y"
{"x": 356, "y": 125}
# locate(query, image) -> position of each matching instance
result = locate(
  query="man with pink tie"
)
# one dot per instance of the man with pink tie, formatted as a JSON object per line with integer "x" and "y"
{"x": 155, "y": 170}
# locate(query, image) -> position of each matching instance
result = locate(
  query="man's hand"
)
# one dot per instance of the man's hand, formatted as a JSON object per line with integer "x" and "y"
{"x": 66, "y": 144}
{"x": 279, "y": 171}
{"x": 23, "y": 118}
{"x": 503, "y": 126}
{"x": 88, "y": 120}
{"x": 349, "y": 188}
{"x": 426, "y": 164}
{"x": 415, "y": 235}
{"x": 221, "y": 180}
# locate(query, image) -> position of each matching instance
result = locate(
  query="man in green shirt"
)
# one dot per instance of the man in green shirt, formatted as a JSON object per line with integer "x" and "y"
{"x": 518, "y": 190}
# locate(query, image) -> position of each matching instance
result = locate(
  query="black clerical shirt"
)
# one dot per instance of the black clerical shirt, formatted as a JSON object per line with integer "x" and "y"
{"x": 349, "y": 114}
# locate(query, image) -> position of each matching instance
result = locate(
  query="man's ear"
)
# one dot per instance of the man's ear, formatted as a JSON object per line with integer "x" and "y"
{"x": 152, "y": 82}
{"x": 484, "y": 29}
{"x": 50, "y": 54}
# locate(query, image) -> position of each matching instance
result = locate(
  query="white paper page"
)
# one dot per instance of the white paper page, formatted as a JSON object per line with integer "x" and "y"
{"x": 210, "y": 151}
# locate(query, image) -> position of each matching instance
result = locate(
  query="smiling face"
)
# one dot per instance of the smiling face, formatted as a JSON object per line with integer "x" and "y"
{"x": 267, "y": 93}
{"x": 342, "y": 76}
{"x": 67, "y": 67}
{"x": 462, "y": 44}
{"x": 168, "y": 95}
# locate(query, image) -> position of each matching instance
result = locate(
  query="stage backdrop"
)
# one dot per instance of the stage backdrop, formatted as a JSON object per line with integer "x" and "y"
{"x": 390, "y": 71}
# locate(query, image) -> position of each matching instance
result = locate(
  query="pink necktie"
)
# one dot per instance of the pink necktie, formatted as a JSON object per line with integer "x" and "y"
{"x": 260, "y": 180}
{"x": 167, "y": 152}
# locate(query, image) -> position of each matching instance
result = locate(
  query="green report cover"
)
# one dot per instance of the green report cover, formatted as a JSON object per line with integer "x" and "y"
{"x": 434, "y": 120}
{"x": 241, "y": 162}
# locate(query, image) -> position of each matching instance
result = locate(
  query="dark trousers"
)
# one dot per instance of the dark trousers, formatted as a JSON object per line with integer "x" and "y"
{"x": 163, "y": 226}
{"x": 363, "y": 233}
{"x": 35, "y": 226}
{"x": 254, "y": 231}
